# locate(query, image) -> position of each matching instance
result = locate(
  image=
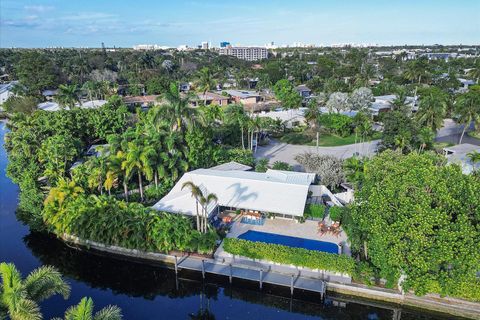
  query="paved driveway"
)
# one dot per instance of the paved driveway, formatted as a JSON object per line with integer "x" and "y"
{"x": 279, "y": 151}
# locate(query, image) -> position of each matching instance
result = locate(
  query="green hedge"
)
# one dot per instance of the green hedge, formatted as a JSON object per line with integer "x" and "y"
{"x": 288, "y": 255}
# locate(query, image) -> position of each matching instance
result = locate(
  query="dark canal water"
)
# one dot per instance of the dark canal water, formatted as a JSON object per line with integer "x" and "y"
{"x": 152, "y": 292}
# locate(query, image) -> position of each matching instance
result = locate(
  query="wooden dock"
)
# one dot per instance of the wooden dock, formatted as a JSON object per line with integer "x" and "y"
{"x": 292, "y": 281}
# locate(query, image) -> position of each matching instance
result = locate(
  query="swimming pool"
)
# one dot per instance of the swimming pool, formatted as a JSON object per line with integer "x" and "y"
{"x": 258, "y": 236}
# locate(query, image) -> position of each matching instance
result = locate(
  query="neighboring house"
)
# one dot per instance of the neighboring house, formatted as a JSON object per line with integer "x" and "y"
{"x": 49, "y": 94}
{"x": 458, "y": 154}
{"x": 211, "y": 99}
{"x": 54, "y": 106}
{"x": 385, "y": 103}
{"x": 303, "y": 91}
{"x": 6, "y": 91}
{"x": 143, "y": 101}
{"x": 49, "y": 106}
{"x": 245, "y": 97}
{"x": 466, "y": 84}
{"x": 93, "y": 104}
{"x": 291, "y": 118}
{"x": 280, "y": 192}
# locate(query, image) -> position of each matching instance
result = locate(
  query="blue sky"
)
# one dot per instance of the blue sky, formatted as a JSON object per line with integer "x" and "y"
{"x": 46, "y": 23}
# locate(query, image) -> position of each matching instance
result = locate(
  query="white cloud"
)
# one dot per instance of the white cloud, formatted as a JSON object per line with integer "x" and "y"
{"x": 39, "y": 8}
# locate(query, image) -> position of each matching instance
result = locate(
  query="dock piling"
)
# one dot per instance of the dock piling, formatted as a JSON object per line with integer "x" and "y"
{"x": 203, "y": 269}
{"x": 176, "y": 265}
{"x": 291, "y": 285}
{"x": 261, "y": 278}
{"x": 230, "y": 277}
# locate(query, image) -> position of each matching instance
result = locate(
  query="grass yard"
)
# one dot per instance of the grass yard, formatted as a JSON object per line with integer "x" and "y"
{"x": 325, "y": 140}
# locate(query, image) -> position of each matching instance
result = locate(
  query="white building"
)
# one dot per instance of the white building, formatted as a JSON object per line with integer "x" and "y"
{"x": 6, "y": 91}
{"x": 245, "y": 53}
{"x": 279, "y": 192}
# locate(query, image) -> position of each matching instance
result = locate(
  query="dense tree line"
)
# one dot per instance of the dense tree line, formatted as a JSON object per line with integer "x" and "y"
{"x": 416, "y": 220}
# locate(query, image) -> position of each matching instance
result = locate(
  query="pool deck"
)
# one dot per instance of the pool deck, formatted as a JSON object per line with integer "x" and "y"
{"x": 292, "y": 228}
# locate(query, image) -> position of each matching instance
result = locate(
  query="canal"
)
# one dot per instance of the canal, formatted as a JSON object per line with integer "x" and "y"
{"x": 153, "y": 292}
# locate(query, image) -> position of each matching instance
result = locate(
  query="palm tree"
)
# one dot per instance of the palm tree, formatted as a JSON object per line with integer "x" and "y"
{"x": 432, "y": 109}
{"x": 475, "y": 73}
{"x": 177, "y": 108}
{"x": 67, "y": 95}
{"x": 236, "y": 114}
{"x": 205, "y": 82}
{"x": 133, "y": 161}
{"x": 205, "y": 200}
{"x": 196, "y": 193}
{"x": 467, "y": 106}
{"x": 84, "y": 311}
{"x": 19, "y": 297}
{"x": 474, "y": 157}
{"x": 312, "y": 114}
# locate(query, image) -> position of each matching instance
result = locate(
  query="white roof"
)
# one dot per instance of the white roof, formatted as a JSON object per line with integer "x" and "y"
{"x": 92, "y": 104}
{"x": 459, "y": 155}
{"x": 283, "y": 192}
{"x": 49, "y": 106}
{"x": 285, "y": 115}
{"x": 242, "y": 93}
{"x": 232, "y": 165}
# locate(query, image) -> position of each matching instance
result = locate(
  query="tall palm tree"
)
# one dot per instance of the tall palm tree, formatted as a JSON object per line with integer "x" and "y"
{"x": 235, "y": 114}
{"x": 205, "y": 82}
{"x": 432, "y": 109}
{"x": 205, "y": 199}
{"x": 177, "y": 109}
{"x": 312, "y": 114}
{"x": 84, "y": 311}
{"x": 467, "y": 106}
{"x": 67, "y": 95}
{"x": 19, "y": 297}
{"x": 196, "y": 194}
{"x": 133, "y": 162}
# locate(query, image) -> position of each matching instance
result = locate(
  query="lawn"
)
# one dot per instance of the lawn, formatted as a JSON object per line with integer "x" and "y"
{"x": 325, "y": 140}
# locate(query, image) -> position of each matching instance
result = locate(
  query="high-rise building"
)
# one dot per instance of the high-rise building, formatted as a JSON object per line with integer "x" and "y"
{"x": 224, "y": 44}
{"x": 204, "y": 45}
{"x": 245, "y": 53}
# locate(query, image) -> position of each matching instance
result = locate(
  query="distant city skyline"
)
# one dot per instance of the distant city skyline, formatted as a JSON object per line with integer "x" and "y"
{"x": 88, "y": 23}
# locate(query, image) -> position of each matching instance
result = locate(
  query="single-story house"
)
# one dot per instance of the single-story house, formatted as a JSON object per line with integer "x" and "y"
{"x": 244, "y": 96}
{"x": 93, "y": 104}
{"x": 291, "y": 118}
{"x": 303, "y": 91}
{"x": 211, "y": 99}
{"x": 281, "y": 192}
{"x": 458, "y": 154}
{"x": 49, "y": 106}
{"x": 143, "y": 101}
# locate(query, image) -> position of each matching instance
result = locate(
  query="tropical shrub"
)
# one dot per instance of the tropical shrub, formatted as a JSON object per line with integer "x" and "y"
{"x": 314, "y": 210}
{"x": 336, "y": 213}
{"x": 109, "y": 221}
{"x": 288, "y": 255}
{"x": 338, "y": 124}
{"x": 280, "y": 165}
